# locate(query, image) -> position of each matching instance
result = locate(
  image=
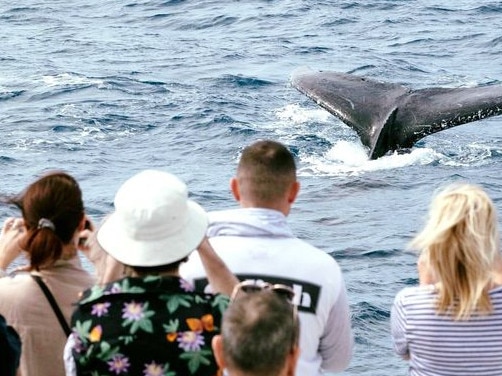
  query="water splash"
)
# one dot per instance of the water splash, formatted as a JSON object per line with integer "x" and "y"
{"x": 70, "y": 79}
{"x": 294, "y": 113}
{"x": 350, "y": 158}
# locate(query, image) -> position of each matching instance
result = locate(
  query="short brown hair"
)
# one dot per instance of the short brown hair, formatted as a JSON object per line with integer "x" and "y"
{"x": 266, "y": 170}
{"x": 258, "y": 332}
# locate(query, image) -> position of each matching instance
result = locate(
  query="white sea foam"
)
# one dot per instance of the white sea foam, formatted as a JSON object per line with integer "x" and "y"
{"x": 294, "y": 113}
{"x": 65, "y": 79}
{"x": 350, "y": 158}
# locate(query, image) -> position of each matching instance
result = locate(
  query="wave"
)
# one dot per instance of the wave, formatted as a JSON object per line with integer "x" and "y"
{"x": 240, "y": 81}
{"x": 6, "y": 95}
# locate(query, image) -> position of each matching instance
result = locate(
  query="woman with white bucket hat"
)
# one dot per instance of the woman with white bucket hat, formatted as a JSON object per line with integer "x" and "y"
{"x": 151, "y": 322}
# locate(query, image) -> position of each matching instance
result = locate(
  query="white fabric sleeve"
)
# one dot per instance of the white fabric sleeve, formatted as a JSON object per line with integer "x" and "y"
{"x": 398, "y": 327}
{"x": 337, "y": 342}
{"x": 69, "y": 363}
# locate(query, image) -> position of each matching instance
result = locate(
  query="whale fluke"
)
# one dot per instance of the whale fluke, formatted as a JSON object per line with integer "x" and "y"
{"x": 388, "y": 116}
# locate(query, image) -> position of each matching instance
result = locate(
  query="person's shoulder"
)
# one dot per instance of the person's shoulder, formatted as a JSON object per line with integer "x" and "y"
{"x": 98, "y": 292}
{"x": 415, "y": 294}
{"x": 17, "y": 291}
{"x": 416, "y": 290}
{"x": 217, "y": 303}
{"x": 224, "y": 215}
{"x": 224, "y": 211}
{"x": 10, "y": 343}
{"x": 3, "y": 323}
{"x": 496, "y": 296}
{"x": 213, "y": 299}
{"x": 15, "y": 279}
{"x": 72, "y": 265}
{"x": 308, "y": 251}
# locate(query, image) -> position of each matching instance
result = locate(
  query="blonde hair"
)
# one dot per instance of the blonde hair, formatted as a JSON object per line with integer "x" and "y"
{"x": 460, "y": 243}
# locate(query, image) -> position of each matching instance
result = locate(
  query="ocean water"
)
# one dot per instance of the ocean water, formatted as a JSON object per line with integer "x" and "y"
{"x": 104, "y": 89}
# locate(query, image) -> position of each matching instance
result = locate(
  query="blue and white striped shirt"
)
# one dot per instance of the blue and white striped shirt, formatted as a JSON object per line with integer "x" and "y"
{"x": 440, "y": 346}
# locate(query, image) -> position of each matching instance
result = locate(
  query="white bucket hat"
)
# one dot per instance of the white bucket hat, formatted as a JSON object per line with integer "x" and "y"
{"x": 154, "y": 222}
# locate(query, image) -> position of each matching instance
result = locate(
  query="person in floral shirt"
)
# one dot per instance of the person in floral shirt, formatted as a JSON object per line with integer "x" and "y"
{"x": 151, "y": 322}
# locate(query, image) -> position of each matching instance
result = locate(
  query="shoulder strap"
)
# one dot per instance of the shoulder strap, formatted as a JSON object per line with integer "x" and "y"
{"x": 53, "y": 304}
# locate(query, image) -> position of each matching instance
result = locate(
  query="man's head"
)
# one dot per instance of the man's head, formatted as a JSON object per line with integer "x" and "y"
{"x": 266, "y": 177}
{"x": 259, "y": 336}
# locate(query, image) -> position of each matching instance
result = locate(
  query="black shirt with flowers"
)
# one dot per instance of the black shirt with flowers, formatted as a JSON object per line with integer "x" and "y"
{"x": 146, "y": 326}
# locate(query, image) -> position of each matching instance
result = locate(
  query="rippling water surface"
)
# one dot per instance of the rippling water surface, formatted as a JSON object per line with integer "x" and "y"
{"x": 106, "y": 88}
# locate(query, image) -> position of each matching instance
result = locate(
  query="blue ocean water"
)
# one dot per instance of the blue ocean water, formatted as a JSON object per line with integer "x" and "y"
{"x": 106, "y": 88}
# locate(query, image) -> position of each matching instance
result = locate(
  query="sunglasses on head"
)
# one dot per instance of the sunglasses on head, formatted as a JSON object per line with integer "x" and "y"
{"x": 283, "y": 291}
{"x": 250, "y": 286}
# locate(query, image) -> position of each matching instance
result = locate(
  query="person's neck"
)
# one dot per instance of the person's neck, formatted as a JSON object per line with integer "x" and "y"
{"x": 497, "y": 273}
{"x": 280, "y": 207}
{"x": 69, "y": 251}
{"x": 130, "y": 272}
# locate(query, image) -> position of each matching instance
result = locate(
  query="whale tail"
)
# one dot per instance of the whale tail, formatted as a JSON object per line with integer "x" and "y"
{"x": 388, "y": 116}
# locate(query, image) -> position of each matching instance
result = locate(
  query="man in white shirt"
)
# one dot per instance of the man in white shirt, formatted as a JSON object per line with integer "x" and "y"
{"x": 256, "y": 243}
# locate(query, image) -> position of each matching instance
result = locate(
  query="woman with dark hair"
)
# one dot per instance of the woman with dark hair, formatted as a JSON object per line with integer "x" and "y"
{"x": 38, "y": 302}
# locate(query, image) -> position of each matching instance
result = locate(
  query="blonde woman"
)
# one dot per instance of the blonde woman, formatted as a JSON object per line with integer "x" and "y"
{"x": 452, "y": 323}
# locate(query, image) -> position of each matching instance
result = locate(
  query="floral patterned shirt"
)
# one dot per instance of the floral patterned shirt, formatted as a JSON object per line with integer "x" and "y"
{"x": 147, "y": 326}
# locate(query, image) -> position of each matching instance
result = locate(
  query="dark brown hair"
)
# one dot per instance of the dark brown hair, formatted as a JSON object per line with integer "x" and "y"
{"x": 57, "y": 197}
{"x": 143, "y": 271}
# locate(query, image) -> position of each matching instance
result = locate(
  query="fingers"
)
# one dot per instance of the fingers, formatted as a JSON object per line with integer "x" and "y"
{"x": 85, "y": 235}
{"x": 86, "y": 242}
{"x": 8, "y": 223}
{"x": 89, "y": 225}
{"x": 12, "y": 224}
{"x": 12, "y": 231}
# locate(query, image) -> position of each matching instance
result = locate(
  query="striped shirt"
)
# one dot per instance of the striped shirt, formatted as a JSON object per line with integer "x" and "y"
{"x": 440, "y": 346}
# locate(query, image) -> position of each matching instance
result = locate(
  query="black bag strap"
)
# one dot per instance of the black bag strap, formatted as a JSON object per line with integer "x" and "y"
{"x": 53, "y": 304}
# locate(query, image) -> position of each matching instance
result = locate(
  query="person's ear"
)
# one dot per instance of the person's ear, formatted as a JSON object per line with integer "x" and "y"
{"x": 292, "y": 360}
{"x": 234, "y": 187}
{"x": 293, "y": 192}
{"x": 217, "y": 345}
